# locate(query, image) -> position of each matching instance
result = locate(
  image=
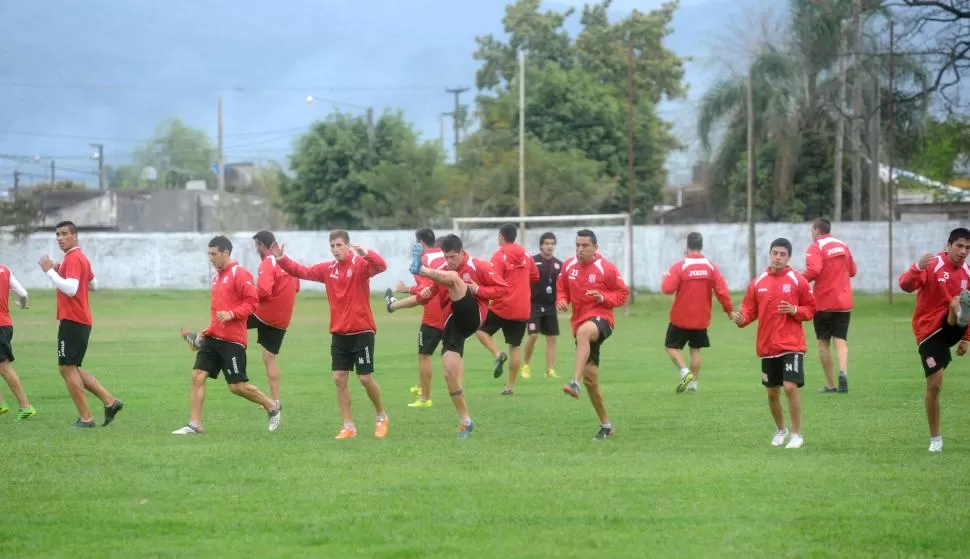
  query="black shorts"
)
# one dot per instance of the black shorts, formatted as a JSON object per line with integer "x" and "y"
{"x": 831, "y": 324}
{"x": 776, "y": 371}
{"x": 605, "y": 332}
{"x": 545, "y": 321}
{"x": 219, "y": 356}
{"x": 270, "y": 337}
{"x": 428, "y": 339}
{"x": 678, "y": 337}
{"x": 464, "y": 321}
{"x": 352, "y": 352}
{"x": 72, "y": 342}
{"x": 512, "y": 330}
{"x": 6, "y": 336}
{"x": 934, "y": 352}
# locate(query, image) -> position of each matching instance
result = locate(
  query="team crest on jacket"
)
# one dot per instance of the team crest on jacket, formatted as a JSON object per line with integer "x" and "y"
{"x": 556, "y": 266}
{"x": 786, "y": 288}
{"x": 350, "y": 272}
{"x": 591, "y": 278}
{"x": 466, "y": 277}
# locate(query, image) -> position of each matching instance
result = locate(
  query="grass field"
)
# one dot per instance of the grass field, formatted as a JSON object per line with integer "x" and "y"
{"x": 685, "y": 476}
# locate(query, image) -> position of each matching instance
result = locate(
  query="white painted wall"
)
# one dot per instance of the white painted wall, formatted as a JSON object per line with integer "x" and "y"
{"x": 178, "y": 260}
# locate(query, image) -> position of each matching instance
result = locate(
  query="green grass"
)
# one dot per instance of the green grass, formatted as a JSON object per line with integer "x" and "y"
{"x": 686, "y": 476}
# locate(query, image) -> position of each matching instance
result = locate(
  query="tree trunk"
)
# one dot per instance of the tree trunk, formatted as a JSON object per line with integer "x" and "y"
{"x": 875, "y": 188}
{"x": 857, "y": 111}
{"x": 839, "y": 139}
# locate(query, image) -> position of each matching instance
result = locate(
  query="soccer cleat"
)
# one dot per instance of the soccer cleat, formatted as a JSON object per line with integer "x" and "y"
{"x": 692, "y": 387}
{"x": 779, "y": 438}
{"x": 604, "y": 433}
{"x": 796, "y": 441}
{"x": 346, "y": 433}
{"x": 963, "y": 316}
{"x": 111, "y": 411}
{"x": 684, "y": 381}
{"x": 507, "y": 392}
{"x": 417, "y": 251}
{"x": 419, "y": 403}
{"x": 828, "y": 390}
{"x": 499, "y": 364}
{"x": 572, "y": 389}
{"x": 4, "y": 409}
{"x": 84, "y": 424}
{"x": 26, "y": 413}
{"x": 551, "y": 373}
{"x": 275, "y": 417}
{"x": 188, "y": 430}
{"x": 526, "y": 371}
{"x": 191, "y": 338}
{"x": 380, "y": 428}
{"x": 843, "y": 384}
{"x": 416, "y": 390}
{"x": 936, "y": 444}
{"x": 389, "y": 299}
{"x": 465, "y": 430}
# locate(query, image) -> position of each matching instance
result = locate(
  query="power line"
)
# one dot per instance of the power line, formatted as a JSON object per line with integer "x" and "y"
{"x": 227, "y": 88}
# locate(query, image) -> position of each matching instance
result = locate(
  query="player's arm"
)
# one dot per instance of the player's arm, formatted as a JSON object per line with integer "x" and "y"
{"x": 562, "y": 291}
{"x": 805, "y": 309}
{"x": 915, "y": 276}
{"x": 853, "y": 267}
{"x": 671, "y": 280}
{"x": 317, "y": 272}
{"x": 491, "y": 286}
{"x": 69, "y": 282}
{"x": 533, "y": 270}
{"x": 375, "y": 262}
{"x": 246, "y": 290}
{"x": 616, "y": 292}
{"x": 266, "y": 278}
{"x": 813, "y": 262}
{"x": 749, "y": 308}
{"x": 19, "y": 291}
{"x": 721, "y": 292}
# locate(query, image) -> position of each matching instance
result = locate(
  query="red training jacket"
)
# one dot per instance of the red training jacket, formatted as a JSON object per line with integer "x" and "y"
{"x": 519, "y": 270}
{"x": 233, "y": 290}
{"x": 348, "y": 288}
{"x": 599, "y": 275}
{"x": 693, "y": 280}
{"x": 434, "y": 315}
{"x": 938, "y": 283}
{"x": 491, "y": 286}
{"x": 778, "y": 333}
{"x": 277, "y": 294}
{"x": 829, "y": 263}
{"x": 5, "y": 319}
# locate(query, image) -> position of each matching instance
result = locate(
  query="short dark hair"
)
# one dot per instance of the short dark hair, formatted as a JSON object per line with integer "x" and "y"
{"x": 588, "y": 234}
{"x": 781, "y": 242}
{"x": 265, "y": 238}
{"x": 508, "y": 232}
{"x": 222, "y": 243}
{"x": 547, "y": 236}
{"x": 70, "y": 226}
{"x": 957, "y": 234}
{"x": 451, "y": 243}
{"x": 425, "y": 236}
{"x": 695, "y": 241}
{"x": 822, "y": 225}
{"x": 340, "y": 234}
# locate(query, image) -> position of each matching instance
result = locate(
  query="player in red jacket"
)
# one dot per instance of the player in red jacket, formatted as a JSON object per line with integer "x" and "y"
{"x": 940, "y": 317}
{"x": 780, "y": 299}
{"x": 469, "y": 284}
{"x": 352, "y": 325}
{"x": 692, "y": 281}
{"x": 829, "y": 263}
{"x": 511, "y": 313}
{"x": 234, "y": 298}
{"x": 9, "y": 283}
{"x": 594, "y": 287}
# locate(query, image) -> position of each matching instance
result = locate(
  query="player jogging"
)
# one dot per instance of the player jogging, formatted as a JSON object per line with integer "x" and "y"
{"x": 692, "y": 281}
{"x": 940, "y": 317}
{"x": 780, "y": 299}
{"x": 73, "y": 278}
{"x": 594, "y": 287}
{"x": 9, "y": 283}
{"x": 829, "y": 263}
{"x": 469, "y": 283}
{"x": 432, "y": 321}
{"x": 545, "y": 319}
{"x": 352, "y": 327}
{"x": 510, "y": 313}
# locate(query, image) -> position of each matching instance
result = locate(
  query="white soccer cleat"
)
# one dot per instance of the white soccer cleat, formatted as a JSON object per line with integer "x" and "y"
{"x": 936, "y": 444}
{"x": 779, "y": 438}
{"x": 187, "y": 430}
{"x": 796, "y": 441}
{"x": 275, "y": 417}
{"x": 963, "y": 315}
{"x": 692, "y": 386}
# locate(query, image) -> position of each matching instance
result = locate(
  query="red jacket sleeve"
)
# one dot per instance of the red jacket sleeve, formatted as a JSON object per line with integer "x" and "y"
{"x": 246, "y": 290}
{"x": 562, "y": 288}
{"x": 813, "y": 262}
{"x": 806, "y": 301}
{"x": 721, "y": 291}
{"x": 375, "y": 263}
{"x": 266, "y": 278}
{"x": 853, "y": 267}
{"x": 749, "y": 307}
{"x": 617, "y": 292}
{"x": 423, "y": 282}
{"x": 317, "y": 272}
{"x": 671, "y": 280}
{"x": 912, "y": 279}
{"x": 533, "y": 271}
{"x": 491, "y": 286}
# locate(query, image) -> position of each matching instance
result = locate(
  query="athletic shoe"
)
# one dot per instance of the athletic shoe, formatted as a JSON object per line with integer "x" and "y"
{"x": 111, "y": 411}
{"x": 380, "y": 428}
{"x": 936, "y": 444}
{"x": 604, "y": 433}
{"x": 692, "y": 387}
{"x": 551, "y": 373}
{"x": 26, "y": 413}
{"x": 779, "y": 438}
{"x": 572, "y": 389}
{"x": 843, "y": 384}
{"x": 507, "y": 392}
{"x": 796, "y": 441}
{"x": 417, "y": 251}
{"x": 499, "y": 364}
{"x": 4, "y": 409}
{"x": 346, "y": 433}
{"x": 465, "y": 430}
{"x": 963, "y": 316}
{"x": 684, "y": 381}
{"x": 828, "y": 390}
{"x": 389, "y": 299}
{"x": 191, "y": 338}
{"x": 188, "y": 430}
{"x": 419, "y": 403}
{"x": 416, "y": 390}
{"x": 525, "y": 371}
{"x": 84, "y": 424}
{"x": 275, "y": 417}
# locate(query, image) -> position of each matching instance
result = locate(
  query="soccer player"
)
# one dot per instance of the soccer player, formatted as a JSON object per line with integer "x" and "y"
{"x": 829, "y": 263}
{"x": 692, "y": 281}
{"x": 469, "y": 283}
{"x": 594, "y": 287}
{"x": 234, "y": 298}
{"x": 510, "y": 313}
{"x": 432, "y": 321}
{"x": 544, "y": 318}
{"x": 780, "y": 299}
{"x": 352, "y": 327}
{"x": 940, "y": 317}
{"x": 73, "y": 278}
{"x": 9, "y": 283}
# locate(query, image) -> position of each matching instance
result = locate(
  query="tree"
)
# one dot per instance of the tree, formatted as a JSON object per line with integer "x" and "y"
{"x": 939, "y": 33}
{"x": 408, "y": 193}
{"x": 944, "y": 143}
{"x": 177, "y": 152}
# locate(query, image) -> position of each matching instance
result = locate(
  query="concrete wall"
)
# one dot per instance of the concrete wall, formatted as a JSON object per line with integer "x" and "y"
{"x": 178, "y": 260}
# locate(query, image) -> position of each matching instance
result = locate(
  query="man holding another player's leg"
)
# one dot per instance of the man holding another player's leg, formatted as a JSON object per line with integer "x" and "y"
{"x": 544, "y": 320}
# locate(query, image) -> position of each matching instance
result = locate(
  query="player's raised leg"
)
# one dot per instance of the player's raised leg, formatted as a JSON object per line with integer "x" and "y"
{"x": 272, "y": 374}
{"x": 26, "y": 411}
{"x": 586, "y": 334}
{"x": 112, "y": 405}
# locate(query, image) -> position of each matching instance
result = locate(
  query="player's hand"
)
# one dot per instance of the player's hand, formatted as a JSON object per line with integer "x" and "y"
{"x": 962, "y": 348}
{"x": 425, "y": 293}
{"x": 46, "y": 263}
{"x": 472, "y": 286}
{"x": 57, "y": 267}
{"x": 562, "y": 306}
{"x": 925, "y": 260}
{"x": 359, "y": 250}
{"x": 595, "y": 295}
{"x": 787, "y": 308}
{"x": 276, "y": 250}
{"x": 737, "y": 317}
{"x": 21, "y": 303}
{"x": 401, "y": 287}
{"x": 223, "y": 316}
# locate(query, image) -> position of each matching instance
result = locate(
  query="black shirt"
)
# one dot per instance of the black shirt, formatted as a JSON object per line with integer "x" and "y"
{"x": 544, "y": 290}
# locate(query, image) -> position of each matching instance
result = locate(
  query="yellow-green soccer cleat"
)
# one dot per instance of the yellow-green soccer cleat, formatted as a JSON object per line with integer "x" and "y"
{"x": 416, "y": 391}
{"x": 26, "y": 413}
{"x": 4, "y": 409}
{"x": 419, "y": 403}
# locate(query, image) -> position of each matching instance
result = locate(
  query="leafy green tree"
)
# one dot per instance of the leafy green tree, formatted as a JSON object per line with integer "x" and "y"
{"x": 408, "y": 193}
{"x": 178, "y": 153}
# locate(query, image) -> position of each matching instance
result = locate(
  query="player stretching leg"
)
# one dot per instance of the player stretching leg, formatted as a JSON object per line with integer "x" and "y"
{"x": 9, "y": 283}
{"x": 593, "y": 286}
{"x": 545, "y": 319}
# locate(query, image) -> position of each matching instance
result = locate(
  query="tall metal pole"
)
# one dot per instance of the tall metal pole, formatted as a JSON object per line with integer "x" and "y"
{"x": 53, "y": 177}
{"x": 751, "y": 238}
{"x": 456, "y": 116}
{"x": 221, "y": 177}
{"x": 629, "y": 171}
{"x": 521, "y": 145}
{"x": 100, "y": 165}
{"x": 840, "y": 137}
{"x": 891, "y": 191}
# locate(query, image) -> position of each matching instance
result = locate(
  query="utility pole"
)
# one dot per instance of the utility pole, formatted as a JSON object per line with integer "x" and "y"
{"x": 751, "y": 239}
{"x": 629, "y": 170}
{"x": 53, "y": 174}
{"x": 100, "y": 157}
{"x": 840, "y": 135}
{"x": 370, "y": 130}
{"x": 891, "y": 190}
{"x": 16, "y": 183}
{"x": 441, "y": 131}
{"x": 221, "y": 163}
{"x": 521, "y": 146}
{"x": 856, "y": 115}
{"x": 457, "y": 91}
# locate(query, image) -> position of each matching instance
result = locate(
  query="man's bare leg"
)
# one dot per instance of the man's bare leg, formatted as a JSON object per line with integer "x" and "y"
{"x": 13, "y": 381}
{"x": 253, "y": 394}
{"x": 794, "y": 406}
{"x": 406, "y": 303}
{"x": 92, "y": 385}
{"x": 530, "y": 346}
{"x": 197, "y": 398}
{"x": 272, "y": 374}
{"x": 842, "y": 354}
{"x": 825, "y": 356}
{"x": 424, "y": 376}
{"x": 454, "y": 377}
{"x": 373, "y": 392}
{"x": 591, "y": 379}
{"x": 934, "y": 386}
{"x": 695, "y": 363}
{"x": 774, "y": 405}
{"x": 75, "y": 386}
{"x": 515, "y": 361}
{"x": 343, "y": 396}
{"x": 550, "y": 353}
